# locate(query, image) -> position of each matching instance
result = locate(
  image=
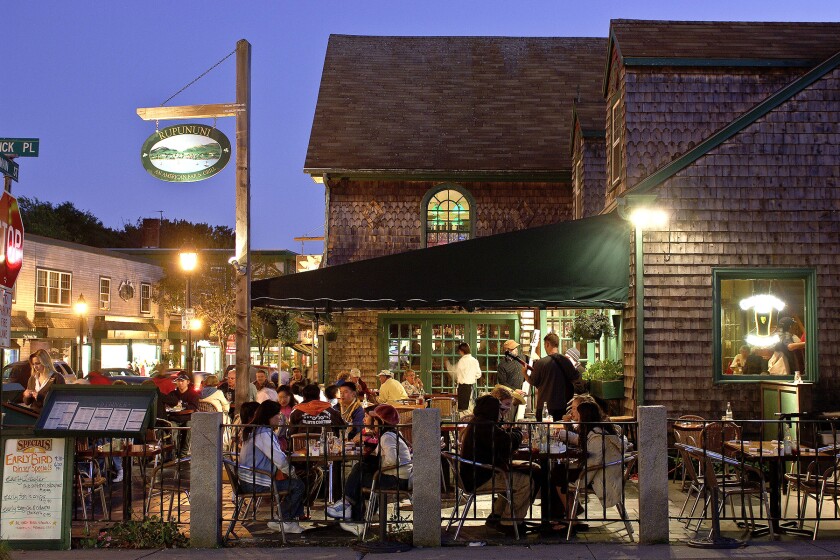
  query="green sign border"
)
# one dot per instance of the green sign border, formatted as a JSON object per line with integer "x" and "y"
{"x": 215, "y": 134}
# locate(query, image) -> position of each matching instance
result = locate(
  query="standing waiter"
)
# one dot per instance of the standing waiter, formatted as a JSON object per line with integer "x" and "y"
{"x": 555, "y": 378}
{"x": 465, "y": 373}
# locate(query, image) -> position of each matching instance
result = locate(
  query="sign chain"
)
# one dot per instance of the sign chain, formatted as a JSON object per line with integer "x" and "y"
{"x": 198, "y": 78}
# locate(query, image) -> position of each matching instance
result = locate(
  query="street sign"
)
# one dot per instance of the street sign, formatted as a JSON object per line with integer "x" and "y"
{"x": 19, "y": 147}
{"x": 186, "y": 317}
{"x": 185, "y": 153}
{"x": 11, "y": 234}
{"x": 8, "y": 167}
{"x": 5, "y": 318}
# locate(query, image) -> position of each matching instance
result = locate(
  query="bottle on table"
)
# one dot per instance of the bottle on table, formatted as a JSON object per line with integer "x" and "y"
{"x": 546, "y": 416}
{"x": 788, "y": 442}
{"x": 729, "y": 415}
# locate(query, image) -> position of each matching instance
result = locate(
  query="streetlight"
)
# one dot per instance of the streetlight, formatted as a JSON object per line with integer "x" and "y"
{"x": 643, "y": 215}
{"x": 81, "y": 308}
{"x": 195, "y": 325}
{"x": 189, "y": 261}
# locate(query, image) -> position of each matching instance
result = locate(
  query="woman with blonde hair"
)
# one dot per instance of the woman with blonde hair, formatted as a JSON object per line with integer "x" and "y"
{"x": 44, "y": 376}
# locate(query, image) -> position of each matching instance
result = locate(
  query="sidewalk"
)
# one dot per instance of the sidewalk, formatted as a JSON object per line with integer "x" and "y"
{"x": 785, "y": 549}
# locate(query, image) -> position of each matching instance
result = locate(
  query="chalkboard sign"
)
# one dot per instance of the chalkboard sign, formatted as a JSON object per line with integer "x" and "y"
{"x": 35, "y": 492}
{"x": 97, "y": 411}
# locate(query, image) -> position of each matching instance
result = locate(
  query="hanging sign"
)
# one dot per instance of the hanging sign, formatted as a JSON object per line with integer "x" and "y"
{"x": 185, "y": 153}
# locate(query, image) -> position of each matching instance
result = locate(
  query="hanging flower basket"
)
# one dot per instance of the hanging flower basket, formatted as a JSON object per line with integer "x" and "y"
{"x": 590, "y": 327}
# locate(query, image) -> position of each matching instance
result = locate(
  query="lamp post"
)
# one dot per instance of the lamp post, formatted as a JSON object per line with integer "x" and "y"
{"x": 195, "y": 325}
{"x": 643, "y": 215}
{"x": 81, "y": 308}
{"x": 189, "y": 260}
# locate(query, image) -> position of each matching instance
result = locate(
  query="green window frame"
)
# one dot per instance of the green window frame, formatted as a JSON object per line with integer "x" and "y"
{"x": 448, "y": 215}
{"x": 424, "y": 342}
{"x": 809, "y": 303}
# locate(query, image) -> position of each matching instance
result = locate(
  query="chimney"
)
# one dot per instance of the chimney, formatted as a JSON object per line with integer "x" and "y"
{"x": 150, "y": 233}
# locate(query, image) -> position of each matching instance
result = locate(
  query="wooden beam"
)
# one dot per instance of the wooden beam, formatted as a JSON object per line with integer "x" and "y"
{"x": 321, "y": 238}
{"x": 243, "y": 220}
{"x": 190, "y": 111}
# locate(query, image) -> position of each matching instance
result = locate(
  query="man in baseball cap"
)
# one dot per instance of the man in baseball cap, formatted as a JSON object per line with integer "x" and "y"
{"x": 390, "y": 390}
{"x": 511, "y": 374}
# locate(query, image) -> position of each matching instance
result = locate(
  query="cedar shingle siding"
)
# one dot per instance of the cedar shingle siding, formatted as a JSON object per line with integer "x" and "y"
{"x": 767, "y": 197}
{"x": 374, "y": 218}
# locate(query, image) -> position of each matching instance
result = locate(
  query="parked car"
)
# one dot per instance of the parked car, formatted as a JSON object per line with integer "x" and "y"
{"x": 20, "y": 372}
{"x": 124, "y": 374}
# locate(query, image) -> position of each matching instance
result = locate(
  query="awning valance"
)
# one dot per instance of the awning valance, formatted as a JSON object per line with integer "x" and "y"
{"x": 582, "y": 263}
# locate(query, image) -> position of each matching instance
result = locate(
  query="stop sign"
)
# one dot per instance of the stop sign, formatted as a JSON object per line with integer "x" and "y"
{"x": 11, "y": 250}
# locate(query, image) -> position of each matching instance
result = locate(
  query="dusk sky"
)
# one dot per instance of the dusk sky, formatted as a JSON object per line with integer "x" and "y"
{"x": 74, "y": 73}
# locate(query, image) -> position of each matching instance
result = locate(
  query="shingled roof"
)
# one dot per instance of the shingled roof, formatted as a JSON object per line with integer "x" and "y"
{"x": 451, "y": 104}
{"x": 775, "y": 43}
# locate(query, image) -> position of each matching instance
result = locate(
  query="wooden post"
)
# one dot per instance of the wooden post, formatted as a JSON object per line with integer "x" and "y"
{"x": 243, "y": 220}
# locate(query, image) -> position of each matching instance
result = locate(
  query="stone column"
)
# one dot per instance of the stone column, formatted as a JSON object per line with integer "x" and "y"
{"x": 206, "y": 482}
{"x": 653, "y": 474}
{"x": 425, "y": 433}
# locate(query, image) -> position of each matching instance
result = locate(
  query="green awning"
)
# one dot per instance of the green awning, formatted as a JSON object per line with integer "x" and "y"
{"x": 582, "y": 263}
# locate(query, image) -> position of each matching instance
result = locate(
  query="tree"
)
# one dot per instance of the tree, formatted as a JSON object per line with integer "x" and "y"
{"x": 269, "y": 324}
{"x": 66, "y": 222}
{"x": 175, "y": 234}
{"x": 211, "y": 293}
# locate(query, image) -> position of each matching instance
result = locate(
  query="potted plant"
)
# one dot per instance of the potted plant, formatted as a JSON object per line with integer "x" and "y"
{"x": 591, "y": 326}
{"x": 606, "y": 379}
{"x": 330, "y": 333}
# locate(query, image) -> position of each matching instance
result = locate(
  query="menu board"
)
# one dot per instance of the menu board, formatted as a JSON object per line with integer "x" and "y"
{"x": 81, "y": 410}
{"x": 33, "y": 489}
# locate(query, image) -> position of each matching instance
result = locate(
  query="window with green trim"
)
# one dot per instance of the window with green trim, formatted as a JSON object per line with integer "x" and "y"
{"x": 764, "y": 324}
{"x": 448, "y": 214}
{"x": 427, "y": 342}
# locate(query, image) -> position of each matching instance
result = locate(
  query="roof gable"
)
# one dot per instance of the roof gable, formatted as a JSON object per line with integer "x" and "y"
{"x": 451, "y": 104}
{"x": 724, "y": 43}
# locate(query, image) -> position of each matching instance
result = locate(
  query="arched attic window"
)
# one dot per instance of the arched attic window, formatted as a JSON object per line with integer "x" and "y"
{"x": 448, "y": 215}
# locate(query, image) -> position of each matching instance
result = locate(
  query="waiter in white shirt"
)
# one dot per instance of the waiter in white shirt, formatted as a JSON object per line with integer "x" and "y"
{"x": 466, "y": 372}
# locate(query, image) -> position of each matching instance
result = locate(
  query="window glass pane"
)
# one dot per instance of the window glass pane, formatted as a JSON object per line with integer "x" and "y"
{"x": 761, "y": 323}
{"x": 447, "y": 218}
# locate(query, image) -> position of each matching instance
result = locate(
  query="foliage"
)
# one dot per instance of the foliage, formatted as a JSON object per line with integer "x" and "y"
{"x": 269, "y": 324}
{"x": 5, "y": 553}
{"x": 175, "y": 234}
{"x": 151, "y": 532}
{"x": 604, "y": 370}
{"x": 212, "y": 297}
{"x": 287, "y": 327}
{"x": 592, "y": 326}
{"x": 64, "y": 221}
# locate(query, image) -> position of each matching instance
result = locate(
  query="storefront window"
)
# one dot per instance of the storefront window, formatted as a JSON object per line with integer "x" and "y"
{"x": 763, "y": 320}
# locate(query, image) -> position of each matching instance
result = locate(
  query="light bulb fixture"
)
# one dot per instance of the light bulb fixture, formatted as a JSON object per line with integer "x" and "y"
{"x": 241, "y": 267}
{"x": 760, "y": 341}
{"x": 189, "y": 260}
{"x": 81, "y": 306}
{"x": 762, "y": 303}
{"x": 646, "y": 217}
{"x": 195, "y": 324}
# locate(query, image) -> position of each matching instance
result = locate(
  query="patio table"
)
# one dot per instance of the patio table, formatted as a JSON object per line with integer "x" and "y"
{"x": 127, "y": 452}
{"x": 545, "y": 459}
{"x": 771, "y": 454}
{"x": 301, "y": 456}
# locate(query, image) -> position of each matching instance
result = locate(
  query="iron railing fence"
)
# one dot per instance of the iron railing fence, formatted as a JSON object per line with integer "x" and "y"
{"x": 763, "y": 474}
{"x": 313, "y": 470}
{"x": 557, "y": 475}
